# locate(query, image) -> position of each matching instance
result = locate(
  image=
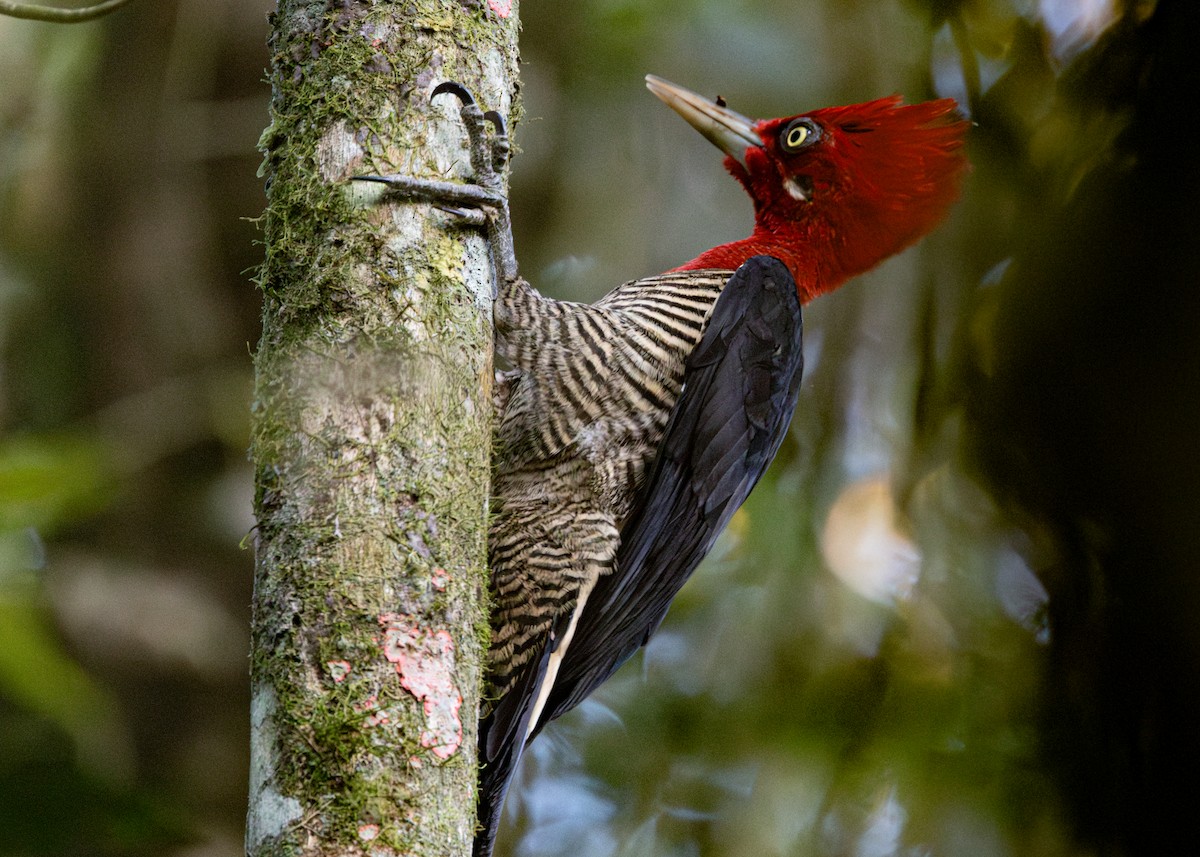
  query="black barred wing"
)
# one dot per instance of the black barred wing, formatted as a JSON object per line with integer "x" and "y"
{"x": 740, "y": 389}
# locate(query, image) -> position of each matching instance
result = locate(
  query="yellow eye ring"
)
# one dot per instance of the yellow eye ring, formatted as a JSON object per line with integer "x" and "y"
{"x": 796, "y": 137}
{"x": 798, "y": 134}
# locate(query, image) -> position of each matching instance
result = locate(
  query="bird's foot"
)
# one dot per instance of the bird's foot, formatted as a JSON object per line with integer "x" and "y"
{"x": 481, "y": 203}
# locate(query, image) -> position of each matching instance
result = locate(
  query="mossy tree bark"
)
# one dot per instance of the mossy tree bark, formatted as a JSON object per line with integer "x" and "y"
{"x": 372, "y": 433}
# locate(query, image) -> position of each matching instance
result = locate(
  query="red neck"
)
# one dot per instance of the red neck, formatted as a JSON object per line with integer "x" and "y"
{"x": 812, "y": 269}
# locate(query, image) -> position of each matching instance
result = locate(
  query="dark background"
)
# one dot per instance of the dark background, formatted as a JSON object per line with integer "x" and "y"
{"x": 959, "y": 617}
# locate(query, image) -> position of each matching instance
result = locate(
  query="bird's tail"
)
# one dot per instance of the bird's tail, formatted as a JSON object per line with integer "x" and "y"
{"x": 494, "y": 778}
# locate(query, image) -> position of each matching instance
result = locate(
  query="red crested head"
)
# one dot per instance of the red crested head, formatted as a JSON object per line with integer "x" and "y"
{"x": 837, "y": 190}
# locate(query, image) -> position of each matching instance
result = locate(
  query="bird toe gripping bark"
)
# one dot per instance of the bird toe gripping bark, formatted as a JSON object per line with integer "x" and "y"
{"x": 482, "y": 203}
{"x": 488, "y": 164}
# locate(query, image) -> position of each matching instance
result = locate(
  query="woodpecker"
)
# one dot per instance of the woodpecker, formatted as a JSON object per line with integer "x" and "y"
{"x": 630, "y": 430}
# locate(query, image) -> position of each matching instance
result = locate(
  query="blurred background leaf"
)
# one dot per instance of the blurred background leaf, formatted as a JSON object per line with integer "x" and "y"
{"x": 957, "y": 618}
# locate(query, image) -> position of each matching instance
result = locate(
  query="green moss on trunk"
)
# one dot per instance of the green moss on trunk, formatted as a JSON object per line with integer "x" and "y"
{"x": 372, "y": 435}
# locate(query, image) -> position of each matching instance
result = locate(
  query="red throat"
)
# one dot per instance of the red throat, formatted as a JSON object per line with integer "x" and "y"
{"x": 797, "y": 252}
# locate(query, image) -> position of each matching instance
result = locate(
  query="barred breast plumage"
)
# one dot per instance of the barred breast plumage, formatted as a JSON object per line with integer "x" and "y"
{"x": 582, "y": 416}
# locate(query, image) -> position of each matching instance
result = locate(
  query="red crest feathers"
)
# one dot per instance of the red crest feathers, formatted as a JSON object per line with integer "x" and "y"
{"x": 864, "y": 182}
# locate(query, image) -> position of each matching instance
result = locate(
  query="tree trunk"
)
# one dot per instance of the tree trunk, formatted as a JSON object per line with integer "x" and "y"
{"x": 372, "y": 434}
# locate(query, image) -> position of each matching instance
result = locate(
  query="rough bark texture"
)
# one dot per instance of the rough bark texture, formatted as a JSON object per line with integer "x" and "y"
{"x": 372, "y": 434}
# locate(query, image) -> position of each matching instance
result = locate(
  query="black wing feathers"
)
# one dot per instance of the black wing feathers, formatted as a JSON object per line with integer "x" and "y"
{"x": 740, "y": 389}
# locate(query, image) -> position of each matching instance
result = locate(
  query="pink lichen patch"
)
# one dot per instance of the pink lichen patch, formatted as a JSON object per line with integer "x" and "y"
{"x": 338, "y": 670}
{"x": 367, "y": 704}
{"x": 367, "y": 832}
{"x": 440, "y": 579}
{"x": 424, "y": 660}
{"x": 503, "y": 8}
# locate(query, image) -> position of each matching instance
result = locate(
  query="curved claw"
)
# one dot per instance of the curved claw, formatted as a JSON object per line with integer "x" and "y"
{"x": 500, "y": 144}
{"x": 461, "y": 92}
{"x": 497, "y": 121}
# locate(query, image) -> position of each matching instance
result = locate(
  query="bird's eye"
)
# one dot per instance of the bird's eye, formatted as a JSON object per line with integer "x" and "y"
{"x": 797, "y": 135}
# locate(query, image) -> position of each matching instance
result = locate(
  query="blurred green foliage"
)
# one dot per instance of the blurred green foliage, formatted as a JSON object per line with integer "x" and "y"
{"x": 126, "y": 162}
{"x": 48, "y": 482}
{"x": 60, "y": 737}
{"x": 957, "y": 618}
